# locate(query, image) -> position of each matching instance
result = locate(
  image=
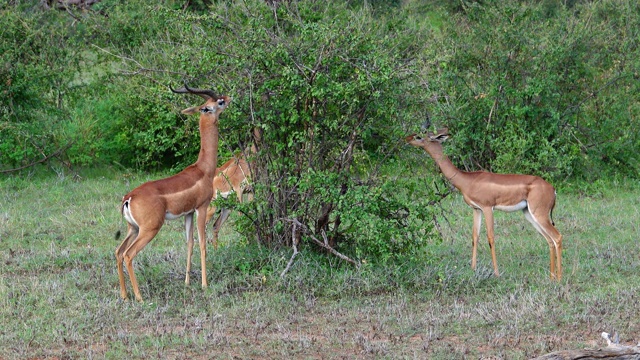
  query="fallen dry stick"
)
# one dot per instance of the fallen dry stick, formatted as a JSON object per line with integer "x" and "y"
{"x": 613, "y": 351}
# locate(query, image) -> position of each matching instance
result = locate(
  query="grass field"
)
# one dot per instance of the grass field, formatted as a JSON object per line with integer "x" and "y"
{"x": 59, "y": 296}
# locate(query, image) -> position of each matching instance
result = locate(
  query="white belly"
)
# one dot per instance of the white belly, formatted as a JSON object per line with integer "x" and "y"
{"x": 225, "y": 194}
{"x": 170, "y": 216}
{"x": 509, "y": 208}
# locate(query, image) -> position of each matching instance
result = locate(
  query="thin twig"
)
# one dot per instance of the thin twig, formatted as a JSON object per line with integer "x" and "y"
{"x": 56, "y": 153}
{"x": 495, "y": 103}
{"x": 294, "y": 245}
{"x": 441, "y": 196}
{"x": 141, "y": 68}
{"x": 324, "y": 244}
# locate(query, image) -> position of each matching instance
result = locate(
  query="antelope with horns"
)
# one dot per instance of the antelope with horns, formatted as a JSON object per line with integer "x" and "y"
{"x": 147, "y": 207}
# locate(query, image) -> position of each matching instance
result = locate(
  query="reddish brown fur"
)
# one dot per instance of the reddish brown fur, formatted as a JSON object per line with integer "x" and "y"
{"x": 234, "y": 175}
{"x": 148, "y": 206}
{"x": 484, "y": 191}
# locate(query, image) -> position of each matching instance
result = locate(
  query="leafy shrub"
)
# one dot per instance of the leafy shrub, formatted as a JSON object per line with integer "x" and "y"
{"x": 34, "y": 88}
{"x": 523, "y": 82}
{"x": 324, "y": 90}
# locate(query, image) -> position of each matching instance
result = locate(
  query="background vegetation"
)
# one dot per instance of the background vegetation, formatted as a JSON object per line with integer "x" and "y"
{"x": 542, "y": 87}
{"x": 535, "y": 87}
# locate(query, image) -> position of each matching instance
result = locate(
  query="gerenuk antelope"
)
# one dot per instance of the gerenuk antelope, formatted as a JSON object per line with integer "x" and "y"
{"x": 148, "y": 206}
{"x": 485, "y": 192}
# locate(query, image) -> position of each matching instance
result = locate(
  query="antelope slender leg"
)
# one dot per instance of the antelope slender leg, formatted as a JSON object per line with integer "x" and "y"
{"x": 132, "y": 233}
{"x": 559, "y": 258}
{"x": 477, "y": 224}
{"x": 143, "y": 238}
{"x": 544, "y": 226}
{"x": 210, "y": 212}
{"x": 188, "y": 227}
{"x": 224, "y": 214}
{"x": 488, "y": 219}
{"x": 202, "y": 241}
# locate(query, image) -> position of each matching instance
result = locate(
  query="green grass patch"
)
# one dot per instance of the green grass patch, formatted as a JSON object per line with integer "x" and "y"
{"x": 59, "y": 295}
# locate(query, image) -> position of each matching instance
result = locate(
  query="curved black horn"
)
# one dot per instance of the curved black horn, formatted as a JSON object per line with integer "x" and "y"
{"x": 179, "y": 91}
{"x": 203, "y": 93}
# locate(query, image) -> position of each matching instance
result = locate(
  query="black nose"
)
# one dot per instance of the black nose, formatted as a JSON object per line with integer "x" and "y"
{"x": 221, "y": 102}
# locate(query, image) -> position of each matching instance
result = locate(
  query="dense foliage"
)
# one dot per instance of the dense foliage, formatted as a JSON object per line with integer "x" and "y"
{"x": 535, "y": 87}
{"x": 543, "y": 88}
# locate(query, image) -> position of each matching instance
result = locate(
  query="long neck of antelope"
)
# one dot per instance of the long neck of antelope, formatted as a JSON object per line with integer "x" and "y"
{"x": 208, "y": 156}
{"x": 450, "y": 171}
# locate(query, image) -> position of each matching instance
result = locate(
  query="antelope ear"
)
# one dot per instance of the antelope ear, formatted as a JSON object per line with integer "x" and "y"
{"x": 191, "y": 110}
{"x": 438, "y": 137}
{"x": 441, "y": 137}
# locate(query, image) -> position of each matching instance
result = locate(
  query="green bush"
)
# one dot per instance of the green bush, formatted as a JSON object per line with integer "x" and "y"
{"x": 523, "y": 85}
{"x": 324, "y": 90}
{"x": 34, "y": 85}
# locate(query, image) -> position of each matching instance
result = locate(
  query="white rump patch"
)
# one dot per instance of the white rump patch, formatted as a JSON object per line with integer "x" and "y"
{"x": 126, "y": 212}
{"x": 509, "y": 208}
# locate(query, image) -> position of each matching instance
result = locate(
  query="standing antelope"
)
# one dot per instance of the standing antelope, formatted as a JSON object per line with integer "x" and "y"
{"x": 485, "y": 191}
{"x": 147, "y": 207}
{"x": 231, "y": 177}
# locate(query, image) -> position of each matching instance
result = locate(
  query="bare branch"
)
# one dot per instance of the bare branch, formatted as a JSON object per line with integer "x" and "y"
{"x": 612, "y": 351}
{"x": 324, "y": 244}
{"x": 294, "y": 245}
{"x": 141, "y": 69}
{"x": 54, "y": 154}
